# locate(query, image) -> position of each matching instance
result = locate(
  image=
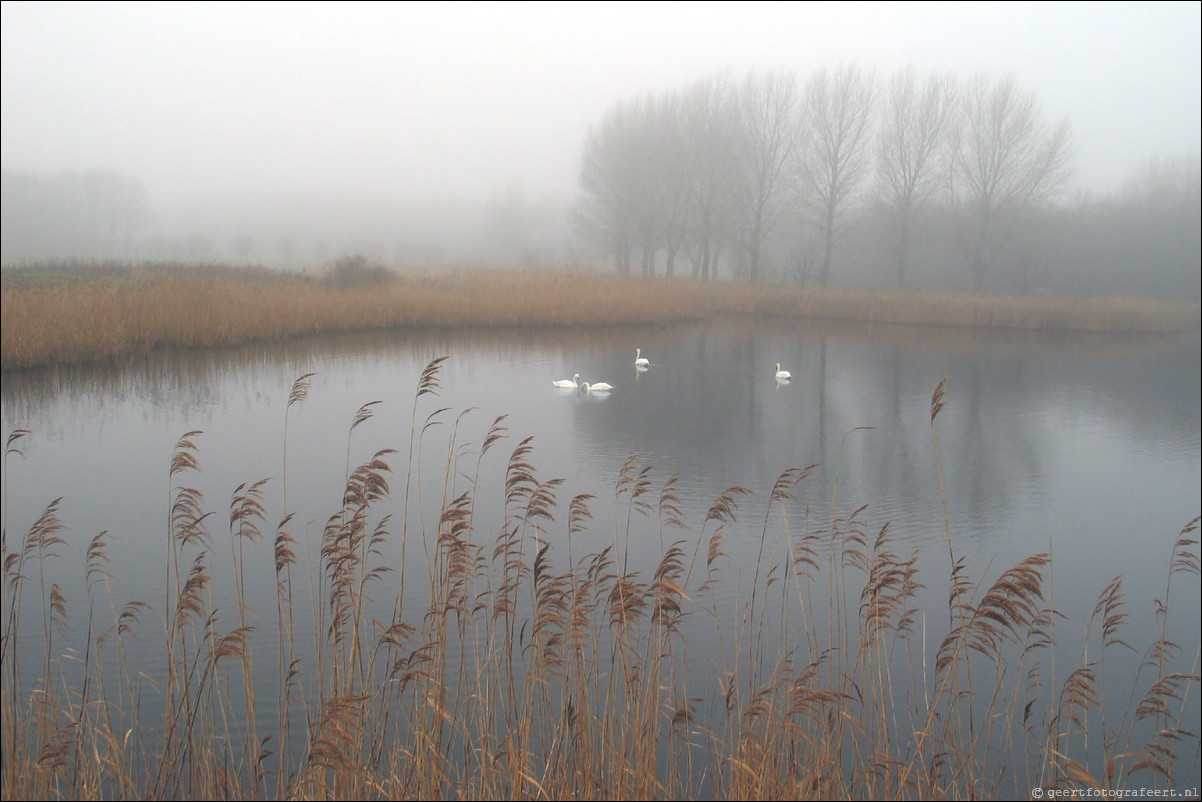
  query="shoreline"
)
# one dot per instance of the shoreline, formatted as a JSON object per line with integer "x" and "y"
{"x": 82, "y": 316}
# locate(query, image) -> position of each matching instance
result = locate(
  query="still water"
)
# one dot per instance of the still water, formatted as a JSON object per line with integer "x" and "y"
{"x": 1086, "y": 448}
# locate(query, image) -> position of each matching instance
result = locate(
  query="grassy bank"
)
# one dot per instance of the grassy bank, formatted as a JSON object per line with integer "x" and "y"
{"x": 523, "y": 673}
{"x": 69, "y": 316}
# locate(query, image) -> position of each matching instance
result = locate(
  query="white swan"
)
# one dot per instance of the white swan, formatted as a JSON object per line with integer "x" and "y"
{"x": 571, "y": 383}
{"x": 640, "y": 361}
{"x": 597, "y": 387}
{"x": 783, "y": 375}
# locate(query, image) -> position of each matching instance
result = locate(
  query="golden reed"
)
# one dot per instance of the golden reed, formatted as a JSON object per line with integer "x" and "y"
{"x": 77, "y": 316}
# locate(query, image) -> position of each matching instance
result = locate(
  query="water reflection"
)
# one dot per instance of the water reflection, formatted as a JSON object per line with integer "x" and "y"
{"x": 709, "y": 409}
{"x": 705, "y": 377}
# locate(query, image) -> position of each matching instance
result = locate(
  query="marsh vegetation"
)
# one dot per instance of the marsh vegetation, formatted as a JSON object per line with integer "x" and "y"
{"x": 533, "y": 668}
{"x": 71, "y": 314}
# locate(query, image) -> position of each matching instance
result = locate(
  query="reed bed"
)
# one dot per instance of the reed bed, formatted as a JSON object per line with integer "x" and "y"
{"x": 529, "y": 671}
{"x": 1119, "y": 315}
{"x": 66, "y": 316}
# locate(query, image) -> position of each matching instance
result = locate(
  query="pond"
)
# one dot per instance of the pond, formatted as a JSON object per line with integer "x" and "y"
{"x": 1081, "y": 448}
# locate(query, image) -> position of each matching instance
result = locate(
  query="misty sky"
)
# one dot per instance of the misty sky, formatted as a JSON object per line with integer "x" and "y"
{"x": 468, "y": 99}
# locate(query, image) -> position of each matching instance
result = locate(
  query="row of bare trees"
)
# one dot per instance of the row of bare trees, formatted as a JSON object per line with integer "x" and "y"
{"x": 97, "y": 212}
{"x": 733, "y": 170}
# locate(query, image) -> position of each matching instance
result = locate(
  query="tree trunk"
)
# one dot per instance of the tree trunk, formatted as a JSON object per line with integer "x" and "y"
{"x": 828, "y": 245}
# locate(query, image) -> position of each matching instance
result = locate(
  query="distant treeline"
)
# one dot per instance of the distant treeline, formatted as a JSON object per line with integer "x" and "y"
{"x": 847, "y": 180}
{"x": 92, "y": 214}
{"x": 852, "y": 181}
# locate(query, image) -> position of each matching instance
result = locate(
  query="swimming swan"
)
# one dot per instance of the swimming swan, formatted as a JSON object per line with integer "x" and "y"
{"x": 571, "y": 383}
{"x": 783, "y": 375}
{"x": 598, "y": 387}
{"x": 640, "y": 361}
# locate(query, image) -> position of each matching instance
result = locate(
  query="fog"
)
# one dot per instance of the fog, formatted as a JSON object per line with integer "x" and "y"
{"x": 268, "y": 119}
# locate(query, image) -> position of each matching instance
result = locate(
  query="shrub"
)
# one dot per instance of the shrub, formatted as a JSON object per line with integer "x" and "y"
{"x": 357, "y": 271}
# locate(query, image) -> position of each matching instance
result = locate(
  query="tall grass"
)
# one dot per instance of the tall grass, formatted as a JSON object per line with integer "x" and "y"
{"x": 532, "y": 671}
{"x": 56, "y": 317}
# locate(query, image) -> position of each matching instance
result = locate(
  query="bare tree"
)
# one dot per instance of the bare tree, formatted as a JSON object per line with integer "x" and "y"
{"x": 662, "y": 180}
{"x": 768, "y": 108}
{"x": 711, "y": 132}
{"x": 1005, "y": 161}
{"x": 912, "y": 150}
{"x": 73, "y": 214}
{"x": 605, "y": 214}
{"x": 833, "y": 159}
{"x": 1164, "y": 184}
{"x": 634, "y": 183}
{"x": 673, "y": 163}
{"x": 1163, "y": 201}
{"x": 118, "y": 205}
{"x": 287, "y": 246}
{"x": 242, "y": 245}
